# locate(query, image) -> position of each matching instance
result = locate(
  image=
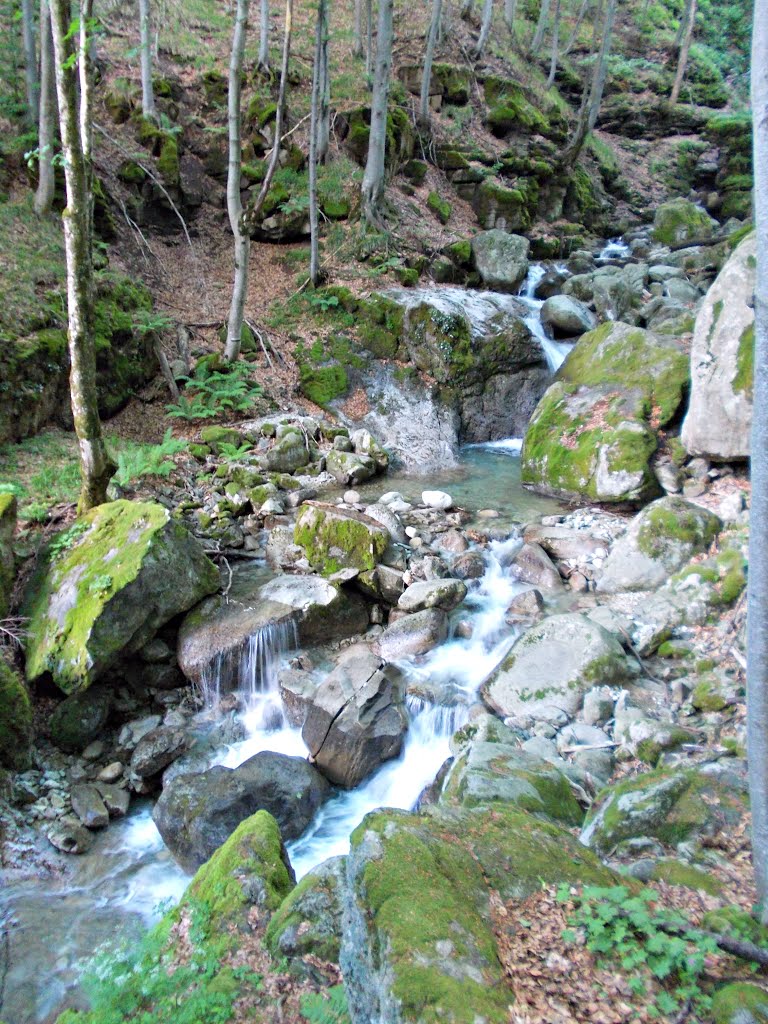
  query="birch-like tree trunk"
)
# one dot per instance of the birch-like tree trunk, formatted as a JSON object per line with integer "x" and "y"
{"x": 375, "y": 167}
{"x": 510, "y": 10}
{"x": 682, "y": 60}
{"x": 590, "y": 106}
{"x": 467, "y": 7}
{"x": 577, "y": 25}
{"x": 426, "y": 78}
{"x": 555, "y": 46}
{"x": 30, "y": 59}
{"x": 234, "y": 202}
{"x": 147, "y": 91}
{"x": 264, "y": 37}
{"x": 359, "y": 50}
{"x": 324, "y": 127}
{"x": 541, "y": 27}
{"x": 96, "y": 466}
{"x": 46, "y": 129}
{"x": 318, "y": 86}
{"x": 369, "y": 38}
{"x": 485, "y": 28}
{"x": 757, "y": 592}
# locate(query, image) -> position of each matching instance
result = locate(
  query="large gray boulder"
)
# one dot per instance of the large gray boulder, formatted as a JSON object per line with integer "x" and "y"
{"x": 413, "y": 634}
{"x": 111, "y": 581}
{"x": 355, "y": 720}
{"x": 197, "y": 813}
{"x": 552, "y": 666}
{"x": 446, "y": 594}
{"x": 567, "y": 316}
{"x": 500, "y": 259}
{"x": 719, "y": 418}
{"x": 659, "y": 541}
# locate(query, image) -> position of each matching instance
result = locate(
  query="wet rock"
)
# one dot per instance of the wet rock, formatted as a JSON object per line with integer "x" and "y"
{"x": 469, "y": 566}
{"x": 134, "y": 731}
{"x": 334, "y": 537}
{"x": 128, "y": 570}
{"x": 439, "y": 500}
{"x": 552, "y": 666}
{"x": 532, "y": 565}
{"x": 413, "y": 634}
{"x": 500, "y": 259}
{"x": 156, "y": 751}
{"x": 69, "y": 837}
{"x": 454, "y": 542}
{"x": 79, "y": 719}
{"x": 308, "y": 922}
{"x": 445, "y": 594}
{"x": 567, "y": 317}
{"x": 527, "y": 605}
{"x": 659, "y": 541}
{"x": 197, "y": 813}
{"x": 89, "y": 806}
{"x": 355, "y": 720}
{"x": 116, "y": 800}
{"x": 112, "y": 772}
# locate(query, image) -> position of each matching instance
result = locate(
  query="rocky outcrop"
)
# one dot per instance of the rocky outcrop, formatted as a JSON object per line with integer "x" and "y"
{"x": 500, "y": 259}
{"x": 197, "y": 813}
{"x": 719, "y": 418}
{"x": 108, "y": 584}
{"x": 355, "y": 720}
{"x": 594, "y": 432}
{"x": 659, "y": 542}
{"x": 680, "y": 220}
{"x": 552, "y": 666}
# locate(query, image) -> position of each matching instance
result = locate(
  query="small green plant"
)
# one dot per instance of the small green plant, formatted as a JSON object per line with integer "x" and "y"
{"x": 63, "y": 541}
{"x": 148, "y": 460}
{"x": 650, "y": 942}
{"x": 232, "y": 452}
{"x": 147, "y": 321}
{"x": 322, "y": 303}
{"x": 326, "y": 1008}
{"x": 211, "y": 392}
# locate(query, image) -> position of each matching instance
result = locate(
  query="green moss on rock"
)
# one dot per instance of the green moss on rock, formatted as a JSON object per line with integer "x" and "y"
{"x": 740, "y": 1003}
{"x": 334, "y": 538}
{"x": 8, "y": 511}
{"x": 680, "y": 220}
{"x": 16, "y": 728}
{"x": 440, "y": 207}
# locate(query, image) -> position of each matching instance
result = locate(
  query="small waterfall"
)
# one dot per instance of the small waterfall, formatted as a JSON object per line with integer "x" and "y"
{"x": 555, "y": 352}
{"x": 614, "y": 249}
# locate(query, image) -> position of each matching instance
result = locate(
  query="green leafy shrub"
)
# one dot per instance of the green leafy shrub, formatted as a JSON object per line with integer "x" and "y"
{"x": 148, "y": 460}
{"x": 213, "y": 391}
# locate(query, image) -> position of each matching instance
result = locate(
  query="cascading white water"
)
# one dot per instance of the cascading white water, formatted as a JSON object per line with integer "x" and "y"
{"x": 555, "y": 352}
{"x": 614, "y": 249}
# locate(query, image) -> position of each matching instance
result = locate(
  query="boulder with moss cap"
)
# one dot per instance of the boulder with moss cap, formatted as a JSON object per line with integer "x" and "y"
{"x": 335, "y": 538}
{"x": 108, "y": 584}
{"x": 7, "y": 560}
{"x": 15, "y": 719}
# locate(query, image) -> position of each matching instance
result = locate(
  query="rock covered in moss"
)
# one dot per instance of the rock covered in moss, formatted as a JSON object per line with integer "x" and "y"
{"x": 719, "y": 418}
{"x": 594, "y": 431}
{"x": 660, "y": 540}
{"x": 109, "y": 583}
{"x": 16, "y": 729}
{"x": 552, "y": 666}
{"x": 8, "y": 508}
{"x": 671, "y": 805}
{"x": 740, "y": 1003}
{"x": 335, "y": 538}
{"x": 309, "y": 920}
{"x": 680, "y": 220}
{"x": 80, "y": 718}
{"x": 355, "y": 720}
{"x": 500, "y": 259}
{"x": 197, "y": 813}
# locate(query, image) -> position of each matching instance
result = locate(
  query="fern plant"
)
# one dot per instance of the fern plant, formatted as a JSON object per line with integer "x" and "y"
{"x": 211, "y": 392}
{"x": 326, "y": 1007}
{"x": 148, "y": 460}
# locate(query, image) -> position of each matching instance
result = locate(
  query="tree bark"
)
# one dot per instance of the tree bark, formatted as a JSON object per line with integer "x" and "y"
{"x": 466, "y": 9}
{"x": 147, "y": 92}
{"x": 577, "y": 25}
{"x": 555, "y": 46}
{"x": 541, "y": 27}
{"x": 264, "y": 37}
{"x": 682, "y": 61}
{"x": 485, "y": 28}
{"x": 96, "y": 466}
{"x": 46, "y": 132}
{"x": 373, "y": 180}
{"x": 234, "y": 202}
{"x": 757, "y": 592}
{"x": 426, "y": 78}
{"x": 30, "y": 59}
{"x": 510, "y": 10}
{"x": 318, "y": 87}
{"x": 369, "y": 38}
{"x": 590, "y": 106}
{"x": 359, "y": 50}
{"x": 324, "y": 133}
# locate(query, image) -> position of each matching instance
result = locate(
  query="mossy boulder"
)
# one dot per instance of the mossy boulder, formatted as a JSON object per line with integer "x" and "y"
{"x": 309, "y": 920}
{"x": 671, "y": 805}
{"x": 719, "y": 419}
{"x": 335, "y": 538}
{"x": 740, "y": 1003}
{"x": 81, "y": 718}
{"x": 8, "y": 509}
{"x": 16, "y": 728}
{"x": 594, "y": 431}
{"x": 500, "y": 259}
{"x": 552, "y": 666}
{"x": 508, "y": 209}
{"x": 439, "y": 206}
{"x": 107, "y": 585}
{"x": 660, "y": 540}
{"x": 511, "y": 108}
{"x": 680, "y": 220}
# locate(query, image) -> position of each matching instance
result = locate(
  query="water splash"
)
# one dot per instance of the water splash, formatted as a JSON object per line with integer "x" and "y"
{"x": 614, "y": 249}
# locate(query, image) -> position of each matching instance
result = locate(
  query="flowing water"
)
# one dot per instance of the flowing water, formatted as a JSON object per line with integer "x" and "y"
{"x": 554, "y": 351}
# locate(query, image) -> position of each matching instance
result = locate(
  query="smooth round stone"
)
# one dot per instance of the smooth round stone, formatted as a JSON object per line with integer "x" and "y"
{"x": 437, "y": 499}
{"x": 111, "y": 773}
{"x": 488, "y": 513}
{"x": 351, "y": 498}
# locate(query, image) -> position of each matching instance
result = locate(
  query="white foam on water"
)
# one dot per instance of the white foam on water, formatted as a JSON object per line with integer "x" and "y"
{"x": 614, "y": 249}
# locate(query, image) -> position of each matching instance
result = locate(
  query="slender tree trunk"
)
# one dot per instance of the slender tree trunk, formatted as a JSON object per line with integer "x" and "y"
{"x": 510, "y": 10}
{"x": 264, "y": 37}
{"x": 358, "y": 30}
{"x": 426, "y": 78}
{"x": 682, "y": 61}
{"x": 234, "y": 203}
{"x": 577, "y": 25}
{"x": 318, "y": 85}
{"x": 541, "y": 27}
{"x": 466, "y": 9}
{"x": 369, "y": 38}
{"x": 30, "y": 59}
{"x": 46, "y": 183}
{"x": 147, "y": 92}
{"x": 96, "y": 466}
{"x": 590, "y": 106}
{"x": 324, "y": 132}
{"x": 555, "y": 46}
{"x": 757, "y": 594}
{"x": 485, "y": 28}
{"x": 373, "y": 180}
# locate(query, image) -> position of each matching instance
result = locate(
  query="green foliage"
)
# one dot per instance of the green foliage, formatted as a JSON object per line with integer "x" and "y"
{"x": 651, "y": 944}
{"x": 213, "y": 391}
{"x": 148, "y": 460}
{"x": 233, "y": 452}
{"x": 147, "y": 321}
{"x": 64, "y": 540}
{"x": 326, "y": 1008}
